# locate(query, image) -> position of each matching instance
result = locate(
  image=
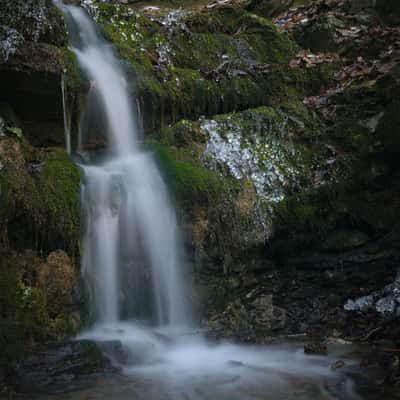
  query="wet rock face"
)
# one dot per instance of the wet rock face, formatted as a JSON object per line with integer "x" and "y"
{"x": 40, "y": 299}
{"x": 45, "y": 200}
{"x": 35, "y": 97}
{"x": 33, "y": 57}
{"x": 60, "y": 367}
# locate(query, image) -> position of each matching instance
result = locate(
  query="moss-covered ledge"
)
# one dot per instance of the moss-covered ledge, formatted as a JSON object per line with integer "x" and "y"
{"x": 40, "y": 196}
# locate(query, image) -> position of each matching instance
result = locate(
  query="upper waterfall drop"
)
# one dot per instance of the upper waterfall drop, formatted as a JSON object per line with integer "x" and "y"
{"x": 96, "y": 58}
{"x": 131, "y": 260}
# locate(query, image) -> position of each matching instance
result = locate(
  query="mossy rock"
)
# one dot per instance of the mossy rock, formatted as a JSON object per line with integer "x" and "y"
{"x": 40, "y": 197}
{"x": 174, "y": 76}
{"x": 59, "y": 191}
{"x": 228, "y": 215}
{"x": 362, "y": 173}
{"x": 187, "y": 178}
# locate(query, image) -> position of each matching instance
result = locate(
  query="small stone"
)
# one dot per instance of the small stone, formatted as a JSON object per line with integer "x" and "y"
{"x": 316, "y": 348}
{"x": 337, "y": 365}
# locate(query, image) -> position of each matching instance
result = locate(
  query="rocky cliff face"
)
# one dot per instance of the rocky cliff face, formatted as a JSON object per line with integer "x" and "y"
{"x": 278, "y": 156}
{"x": 278, "y": 138}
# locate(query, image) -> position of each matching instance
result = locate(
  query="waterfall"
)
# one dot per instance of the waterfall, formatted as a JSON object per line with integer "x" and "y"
{"x": 131, "y": 248}
{"x": 131, "y": 263}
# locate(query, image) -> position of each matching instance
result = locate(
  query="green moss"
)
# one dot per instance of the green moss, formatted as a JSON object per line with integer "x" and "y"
{"x": 183, "y": 85}
{"x": 268, "y": 44}
{"x": 74, "y": 76}
{"x": 183, "y": 133}
{"x": 41, "y": 209}
{"x": 188, "y": 52}
{"x": 135, "y": 36}
{"x": 309, "y": 81}
{"x": 188, "y": 180}
{"x": 204, "y": 22}
{"x": 304, "y": 123}
{"x": 59, "y": 188}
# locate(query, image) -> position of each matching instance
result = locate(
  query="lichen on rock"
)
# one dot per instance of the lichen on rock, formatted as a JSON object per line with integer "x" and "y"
{"x": 258, "y": 152}
{"x": 20, "y": 21}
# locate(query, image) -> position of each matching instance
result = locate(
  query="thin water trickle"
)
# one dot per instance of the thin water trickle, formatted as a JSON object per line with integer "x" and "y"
{"x": 132, "y": 266}
{"x": 67, "y": 117}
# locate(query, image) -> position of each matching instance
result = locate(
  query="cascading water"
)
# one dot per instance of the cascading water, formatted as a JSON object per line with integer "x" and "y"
{"x": 131, "y": 265}
{"x": 130, "y": 225}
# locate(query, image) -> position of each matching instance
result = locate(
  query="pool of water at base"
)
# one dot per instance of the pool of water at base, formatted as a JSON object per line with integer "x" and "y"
{"x": 192, "y": 368}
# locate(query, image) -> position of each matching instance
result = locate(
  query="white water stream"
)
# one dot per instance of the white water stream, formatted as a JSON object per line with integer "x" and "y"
{"x": 130, "y": 224}
{"x": 131, "y": 264}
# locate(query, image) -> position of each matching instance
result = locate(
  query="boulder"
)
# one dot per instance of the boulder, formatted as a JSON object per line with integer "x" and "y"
{"x": 60, "y": 367}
